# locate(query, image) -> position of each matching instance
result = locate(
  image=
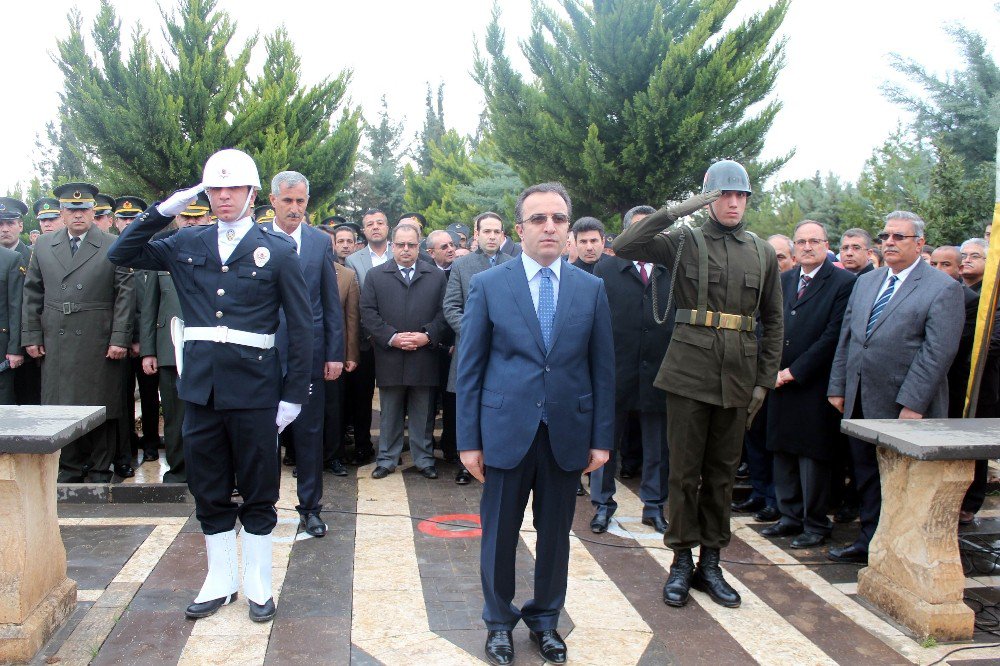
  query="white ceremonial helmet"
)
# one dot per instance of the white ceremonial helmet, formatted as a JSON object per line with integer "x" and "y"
{"x": 230, "y": 168}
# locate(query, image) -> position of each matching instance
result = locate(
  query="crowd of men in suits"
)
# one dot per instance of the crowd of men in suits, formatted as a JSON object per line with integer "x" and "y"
{"x": 883, "y": 329}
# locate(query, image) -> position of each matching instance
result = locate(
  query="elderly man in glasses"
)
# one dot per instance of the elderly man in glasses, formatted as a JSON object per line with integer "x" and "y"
{"x": 901, "y": 331}
{"x": 973, "y": 255}
{"x": 401, "y": 307}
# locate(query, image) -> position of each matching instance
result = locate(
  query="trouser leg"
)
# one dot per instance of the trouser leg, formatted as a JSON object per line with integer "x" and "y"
{"x": 759, "y": 459}
{"x": 419, "y": 405}
{"x": 602, "y": 479}
{"x": 149, "y": 399}
{"x": 100, "y": 444}
{"x": 362, "y": 393}
{"x": 307, "y": 432}
{"x": 869, "y": 489}
{"x": 655, "y": 463}
{"x": 718, "y": 474}
{"x": 553, "y": 505}
{"x": 173, "y": 419}
{"x": 975, "y": 496}
{"x": 815, "y": 476}
{"x": 390, "y": 440}
{"x": 687, "y": 430}
{"x": 211, "y": 468}
{"x": 333, "y": 436}
{"x": 449, "y": 444}
{"x": 788, "y": 488}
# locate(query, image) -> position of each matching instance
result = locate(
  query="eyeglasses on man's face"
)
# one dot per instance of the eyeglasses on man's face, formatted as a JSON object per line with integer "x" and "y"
{"x": 802, "y": 242}
{"x": 897, "y": 237}
{"x": 406, "y": 246}
{"x": 540, "y": 218}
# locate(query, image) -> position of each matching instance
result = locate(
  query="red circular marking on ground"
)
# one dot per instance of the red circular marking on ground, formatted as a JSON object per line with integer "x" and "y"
{"x": 432, "y": 526}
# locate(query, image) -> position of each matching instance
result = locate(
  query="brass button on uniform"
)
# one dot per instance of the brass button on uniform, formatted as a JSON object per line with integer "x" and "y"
{"x": 218, "y": 315}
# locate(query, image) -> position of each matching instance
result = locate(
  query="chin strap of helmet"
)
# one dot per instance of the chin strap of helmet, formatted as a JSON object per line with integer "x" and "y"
{"x": 246, "y": 206}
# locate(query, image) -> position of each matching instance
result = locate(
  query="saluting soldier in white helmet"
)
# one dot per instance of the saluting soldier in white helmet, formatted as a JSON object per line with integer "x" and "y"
{"x": 232, "y": 277}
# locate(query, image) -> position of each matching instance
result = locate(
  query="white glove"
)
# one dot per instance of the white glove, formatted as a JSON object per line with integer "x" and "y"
{"x": 287, "y": 411}
{"x": 179, "y": 200}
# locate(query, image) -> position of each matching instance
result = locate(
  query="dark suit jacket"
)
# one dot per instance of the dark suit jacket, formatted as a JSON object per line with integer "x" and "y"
{"x": 389, "y": 306}
{"x": 316, "y": 262}
{"x": 245, "y": 294}
{"x": 590, "y": 268}
{"x": 905, "y": 360}
{"x": 640, "y": 343}
{"x": 812, "y": 328}
{"x": 505, "y": 374}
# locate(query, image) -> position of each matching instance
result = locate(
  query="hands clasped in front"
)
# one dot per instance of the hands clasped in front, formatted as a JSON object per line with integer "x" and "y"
{"x": 409, "y": 341}
{"x": 473, "y": 461}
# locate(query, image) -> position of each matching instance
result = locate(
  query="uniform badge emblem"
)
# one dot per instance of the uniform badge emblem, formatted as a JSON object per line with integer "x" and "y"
{"x": 230, "y": 235}
{"x": 2, "y": 207}
{"x": 261, "y": 256}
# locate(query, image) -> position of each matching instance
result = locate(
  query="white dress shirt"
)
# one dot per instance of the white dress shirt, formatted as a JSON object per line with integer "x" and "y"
{"x": 239, "y": 229}
{"x": 900, "y": 277}
{"x": 295, "y": 236}
{"x": 376, "y": 259}
{"x": 531, "y": 268}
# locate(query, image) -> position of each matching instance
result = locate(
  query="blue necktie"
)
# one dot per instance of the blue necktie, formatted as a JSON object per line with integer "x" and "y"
{"x": 880, "y": 305}
{"x": 546, "y": 305}
{"x": 493, "y": 261}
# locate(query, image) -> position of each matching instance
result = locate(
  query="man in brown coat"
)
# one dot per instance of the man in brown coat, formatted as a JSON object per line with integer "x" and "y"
{"x": 333, "y": 436}
{"x": 77, "y": 315}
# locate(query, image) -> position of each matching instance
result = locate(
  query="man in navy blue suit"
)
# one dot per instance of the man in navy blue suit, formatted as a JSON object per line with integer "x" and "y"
{"x": 536, "y": 393}
{"x": 289, "y": 198}
{"x": 232, "y": 279}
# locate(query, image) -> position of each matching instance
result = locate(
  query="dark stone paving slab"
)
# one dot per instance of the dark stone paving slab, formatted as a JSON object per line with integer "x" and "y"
{"x": 96, "y": 553}
{"x": 830, "y": 571}
{"x": 685, "y": 635}
{"x": 313, "y": 624}
{"x": 58, "y": 638}
{"x": 828, "y": 628}
{"x": 153, "y": 628}
{"x": 156, "y": 510}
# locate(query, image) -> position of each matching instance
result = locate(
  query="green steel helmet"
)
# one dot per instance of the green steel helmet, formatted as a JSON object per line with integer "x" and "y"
{"x": 727, "y": 175}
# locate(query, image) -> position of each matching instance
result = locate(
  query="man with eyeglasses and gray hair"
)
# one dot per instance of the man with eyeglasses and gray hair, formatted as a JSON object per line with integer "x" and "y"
{"x": 900, "y": 334}
{"x": 973, "y": 266}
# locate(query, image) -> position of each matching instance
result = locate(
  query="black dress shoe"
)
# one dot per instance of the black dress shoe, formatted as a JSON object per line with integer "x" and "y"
{"x": 263, "y": 612}
{"x": 656, "y": 522}
{"x": 288, "y": 461}
{"x": 429, "y": 472}
{"x": 551, "y": 646}
{"x": 313, "y": 525}
{"x": 295, "y": 472}
{"x": 848, "y": 555}
{"x": 499, "y": 648}
{"x": 808, "y": 540}
{"x": 848, "y": 513}
{"x": 206, "y": 608}
{"x": 708, "y": 579}
{"x": 124, "y": 470}
{"x": 780, "y": 529}
{"x": 150, "y": 455}
{"x": 749, "y": 505}
{"x": 768, "y": 514}
{"x": 743, "y": 471}
{"x": 599, "y": 523}
{"x": 580, "y": 492}
{"x": 676, "y": 591}
{"x": 381, "y": 472}
{"x": 335, "y": 467}
{"x": 362, "y": 457}
{"x": 463, "y": 477}
{"x": 627, "y": 473}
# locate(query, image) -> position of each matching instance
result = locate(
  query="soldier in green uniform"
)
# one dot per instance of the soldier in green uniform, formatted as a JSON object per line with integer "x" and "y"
{"x": 12, "y": 212}
{"x": 12, "y": 268}
{"x": 77, "y": 316}
{"x": 159, "y": 305}
{"x": 48, "y": 214}
{"x": 104, "y": 209}
{"x": 716, "y": 373}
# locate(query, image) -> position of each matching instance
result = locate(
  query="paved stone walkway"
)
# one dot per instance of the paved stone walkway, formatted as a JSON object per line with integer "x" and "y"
{"x": 386, "y": 587}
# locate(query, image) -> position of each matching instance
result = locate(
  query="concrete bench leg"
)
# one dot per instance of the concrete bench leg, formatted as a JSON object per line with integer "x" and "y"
{"x": 35, "y": 594}
{"x": 914, "y": 572}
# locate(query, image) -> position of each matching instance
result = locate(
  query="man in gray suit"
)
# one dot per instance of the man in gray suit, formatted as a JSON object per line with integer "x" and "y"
{"x": 901, "y": 331}
{"x": 360, "y": 387}
{"x": 489, "y": 235}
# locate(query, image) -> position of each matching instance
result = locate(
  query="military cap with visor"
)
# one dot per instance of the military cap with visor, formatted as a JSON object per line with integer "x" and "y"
{"x": 11, "y": 208}
{"x": 46, "y": 208}
{"x": 129, "y": 206}
{"x": 104, "y": 204}
{"x": 263, "y": 214}
{"x": 197, "y": 208}
{"x": 76, "y": 195}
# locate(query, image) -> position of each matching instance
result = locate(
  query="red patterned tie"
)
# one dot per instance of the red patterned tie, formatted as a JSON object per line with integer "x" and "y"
{"x": 802, "y": 288}
{"x": 642, "y": 272}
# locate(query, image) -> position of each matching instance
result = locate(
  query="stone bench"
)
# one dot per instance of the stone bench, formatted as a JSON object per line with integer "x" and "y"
{"x": 35, "y": 594}
{"x": 914, "y": 571}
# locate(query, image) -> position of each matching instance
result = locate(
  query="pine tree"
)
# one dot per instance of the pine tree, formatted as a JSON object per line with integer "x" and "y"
{"x": 146, "y": 124}
{"x": 632, "y": 100}
{"x": 378, "y": 179}
{"x": 433, "y": 131}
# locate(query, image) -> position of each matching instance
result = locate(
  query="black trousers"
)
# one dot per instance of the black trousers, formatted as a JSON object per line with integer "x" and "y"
{"x": 868, "y": 481}
{"x": 655, "y": 466}
{"x": 505, "y": 496}
{"x": 306, "y": 433}
{"x": 802, "y": 486}
{"x": 90, "y": 456}
{"x": 173, "y": 419}
{"x": 28, "y": 382}
{"x": 333, "y": 420}
{"x": 759, "y": 458}
{"x": 360, "y": 387}
{"x": 226, "y": 445}
{"x": 149, "y": 398}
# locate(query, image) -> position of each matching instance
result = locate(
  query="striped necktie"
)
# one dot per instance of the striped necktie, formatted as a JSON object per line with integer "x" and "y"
{"x": 802, "y": 287}
{"x": 880, "y": 304}
{"x": 546, "y": 305}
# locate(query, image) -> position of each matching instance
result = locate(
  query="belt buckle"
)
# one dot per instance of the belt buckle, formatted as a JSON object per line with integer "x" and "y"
{"x": 221, "y": 334}
{"x": 67, "y": 308}
{"x": 729, "y": 321}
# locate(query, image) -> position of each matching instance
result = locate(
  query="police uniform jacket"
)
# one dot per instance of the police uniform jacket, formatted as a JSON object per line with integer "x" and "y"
{"x": 11, "y": 291}
{"x": 714, "y": 365}
{"x": 244, "y": 293}
{"x": 390, "y": 305}
{"x": 812, "y": 328}
{"x": 640, "y": 343}
{"x": 77, "y": 306}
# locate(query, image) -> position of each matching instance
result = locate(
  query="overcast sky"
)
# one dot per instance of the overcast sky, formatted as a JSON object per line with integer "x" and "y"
{"x": 837, "y": 58}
